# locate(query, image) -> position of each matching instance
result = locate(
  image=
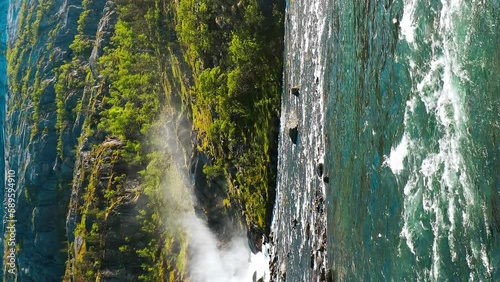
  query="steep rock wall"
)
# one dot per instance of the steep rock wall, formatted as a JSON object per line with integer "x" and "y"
{"x": 40, "y": 45}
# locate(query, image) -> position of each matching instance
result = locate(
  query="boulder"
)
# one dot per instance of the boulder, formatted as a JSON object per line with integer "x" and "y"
{"x": 326, "y": 179}
{"x": 293, "y": 124}
{"x": 329, "y": 275}
{"x": 256, "y": 238}
{"x": 319, "y": 169}
{"x": 295, "y": 91}
{"x": 254, "y": 278}
{"x": 293, "y": 132}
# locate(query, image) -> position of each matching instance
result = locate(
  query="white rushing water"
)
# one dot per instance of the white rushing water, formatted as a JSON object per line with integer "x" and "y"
{"x": 395, "y": 161}
{"x": 299, "y": 188}
{"x": 440, "y": 186}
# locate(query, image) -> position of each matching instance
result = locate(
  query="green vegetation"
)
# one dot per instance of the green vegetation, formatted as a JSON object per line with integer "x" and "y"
{"x": 216, "y": 63}
{"x": 120, "y": 107}
{"x": 235, "y": 54}
{"x": 230, "y": 87}
{"x": 133, "y": 87}
{"x": 26, "y": 68}
{"x": 139, "y": 242}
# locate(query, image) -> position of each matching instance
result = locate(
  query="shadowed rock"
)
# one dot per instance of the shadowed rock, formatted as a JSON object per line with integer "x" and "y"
{"x": 319, "y": 169}
{"x": 293, "y": 132}
{"x": 292, "y": 125}
{"x": 329, "y": 275}
{"x": 256, "y": 238}
{"x": 295, "y": 91}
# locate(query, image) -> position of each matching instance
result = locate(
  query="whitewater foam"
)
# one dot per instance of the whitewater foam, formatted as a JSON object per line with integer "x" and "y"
{"x": 440, "y": 177}
{"x": 395, "y": 161}
{"x": 407, "y": 22}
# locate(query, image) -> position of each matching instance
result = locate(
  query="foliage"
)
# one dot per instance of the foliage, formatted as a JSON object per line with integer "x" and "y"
{"x": 217, "y": 62}
{"x": 120, "y": 106}
{"x": 235, "y": 52}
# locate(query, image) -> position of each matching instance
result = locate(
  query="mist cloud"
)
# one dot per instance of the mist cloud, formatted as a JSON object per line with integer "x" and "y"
{"x": 208, "y": 260}
{"x": 208, "y": 263}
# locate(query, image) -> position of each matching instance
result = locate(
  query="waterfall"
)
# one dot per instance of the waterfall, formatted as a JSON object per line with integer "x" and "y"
{"x": 209, "y": 259}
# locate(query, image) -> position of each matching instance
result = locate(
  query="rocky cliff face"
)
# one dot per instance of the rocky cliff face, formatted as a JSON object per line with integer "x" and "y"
{"x": 41, "y": 44}
{"x": 85, "y": 211}
{"x": 4, "y": 6}
{"x": 73, "y": 221}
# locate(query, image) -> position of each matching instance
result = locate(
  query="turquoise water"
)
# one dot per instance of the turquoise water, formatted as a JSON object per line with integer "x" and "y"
{"x": 401, "y": 101}
{"x": 413, "y": 113}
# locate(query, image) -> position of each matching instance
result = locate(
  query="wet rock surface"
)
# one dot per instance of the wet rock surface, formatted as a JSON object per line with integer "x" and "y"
{"x": 314, "y": 235}
{"x": 319, "y": 169}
